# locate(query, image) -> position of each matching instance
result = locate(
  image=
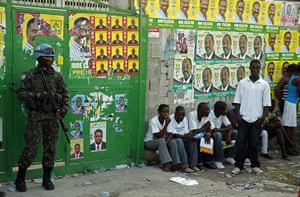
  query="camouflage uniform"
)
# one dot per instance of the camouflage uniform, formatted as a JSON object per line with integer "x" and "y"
{"x": 42, "y": 121}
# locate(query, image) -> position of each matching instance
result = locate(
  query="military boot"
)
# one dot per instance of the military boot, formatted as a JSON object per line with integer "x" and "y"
{"x": 20, "y": 180}
{"x": 47, "y": 183}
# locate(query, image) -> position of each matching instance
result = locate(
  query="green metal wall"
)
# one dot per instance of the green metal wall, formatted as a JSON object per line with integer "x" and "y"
{"x": 124, "y": 130}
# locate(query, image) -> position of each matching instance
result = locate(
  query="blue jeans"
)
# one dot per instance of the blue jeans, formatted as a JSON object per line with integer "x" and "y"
{"x": 188, "y": 152}
{"x": 218, "y": 150}
{"x": 248, "y": 141}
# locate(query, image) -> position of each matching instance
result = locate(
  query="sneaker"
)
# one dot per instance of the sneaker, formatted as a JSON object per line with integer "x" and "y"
{"x": 195, "y": 168}
{"x": 219, "y": 165}
{"x": 236, "y": 171}
{"x": 257, "y": 170}
{"x": 266, "y": 155}
{"x": 188, "y": 170}
{"x": 247, "y": 162}
{"x": 230, "y": 160}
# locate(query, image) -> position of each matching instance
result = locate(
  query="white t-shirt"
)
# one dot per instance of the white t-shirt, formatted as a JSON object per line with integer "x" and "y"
{"x": 181, "y": 15}
{"x": 154, "y": 127}
{"x": 194, "y": 123}
{"x": 218, "y": 121}
{"x": 220, "y": 18}
{"x": 252, "y": 97}
{"x": 201, "y": 17}
{"x": 161, "y": 14}
{"x": 178, "y": 127}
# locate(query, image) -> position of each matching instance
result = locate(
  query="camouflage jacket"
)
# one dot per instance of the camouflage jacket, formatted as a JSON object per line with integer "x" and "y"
{"x": 31, "y": 83}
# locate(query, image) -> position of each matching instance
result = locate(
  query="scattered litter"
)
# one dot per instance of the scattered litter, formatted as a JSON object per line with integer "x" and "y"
{"x": 101, "y": 169}
{"x": 86, "y": 183}
{"x": 280, "y": 186}
{"x": 74, "y": 175}
{"x": 11, "y": 189}
{"x": 242, "y": 186}
{"x": 132, "y": 164}
{"x": 37, "y": 181}
{"x": 184, "y": 181}
{"x": 141, "y": 165}
{"x": 104, "y": 194}
{"x": 228, "y": 175}
{"x": 122, "y": 166}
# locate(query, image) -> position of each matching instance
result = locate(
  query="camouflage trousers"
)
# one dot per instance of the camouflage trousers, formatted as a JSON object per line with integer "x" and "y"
{"x": 47, "y": 130}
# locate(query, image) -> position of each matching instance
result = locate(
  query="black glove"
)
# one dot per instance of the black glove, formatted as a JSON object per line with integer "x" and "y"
{"x": 43, "y": 96}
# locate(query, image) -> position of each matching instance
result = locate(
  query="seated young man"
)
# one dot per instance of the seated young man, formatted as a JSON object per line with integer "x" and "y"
{"x": 187, "y": 144}
{"x": 200, "y": 123}
{"x": 157, "y": 138}
{"x": 223, "y": 131}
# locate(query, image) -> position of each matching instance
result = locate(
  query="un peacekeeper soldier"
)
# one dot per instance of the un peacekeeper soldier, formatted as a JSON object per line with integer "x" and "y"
{"x": 42, "y": 119}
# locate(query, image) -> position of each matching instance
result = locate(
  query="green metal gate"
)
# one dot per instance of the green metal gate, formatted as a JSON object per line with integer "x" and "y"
{"x": 113, "y": 101}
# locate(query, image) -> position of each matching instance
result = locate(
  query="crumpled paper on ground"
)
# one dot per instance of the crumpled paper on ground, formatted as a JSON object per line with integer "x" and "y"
{"x": 184, "y": 181}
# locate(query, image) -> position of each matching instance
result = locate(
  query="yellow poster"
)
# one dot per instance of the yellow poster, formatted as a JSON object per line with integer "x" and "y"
{"x": 33, "y": 25}
{"x": 288, "y": 41}
{"x": 238, "y": 14}
{"x": 271, "y": 13}
{"x": 253, "y": 12}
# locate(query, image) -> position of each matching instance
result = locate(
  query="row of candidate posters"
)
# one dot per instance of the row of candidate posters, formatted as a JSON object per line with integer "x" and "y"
{"x": 215, "y": 40}
{"x": 100, "y": 46}
{"x": 231, "y": 11}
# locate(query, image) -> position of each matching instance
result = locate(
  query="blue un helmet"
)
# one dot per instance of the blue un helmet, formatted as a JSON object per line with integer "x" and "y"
{"x": 44, "y": 50}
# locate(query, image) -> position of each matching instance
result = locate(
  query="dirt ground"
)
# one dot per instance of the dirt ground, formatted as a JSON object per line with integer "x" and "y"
{"x": 151, "y": 181}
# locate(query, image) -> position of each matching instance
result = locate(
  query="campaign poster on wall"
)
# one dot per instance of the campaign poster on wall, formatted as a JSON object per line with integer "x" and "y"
{"x": 101, "y": 45}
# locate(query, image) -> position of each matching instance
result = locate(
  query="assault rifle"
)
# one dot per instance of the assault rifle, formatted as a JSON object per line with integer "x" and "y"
{"x": 53, "y": 104}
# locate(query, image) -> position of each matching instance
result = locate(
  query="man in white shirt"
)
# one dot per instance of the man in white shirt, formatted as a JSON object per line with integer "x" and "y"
{"x": 222, "y": 11}
{"x": 240, "y": 6}
{"x": 199, "y": 123}
{"x": 252, "y": 100}
{"x": 287, "y": 41}
{"x": 162, "y": 11}
{"x": 223, "y": 131}
{"x": 202, "y": 15}
{"x": 79, "y": 48}
{"x": 271, "y": 47}
{"x": 183, "y": 12}
{"x": 253, "y": 19}
{"x": 271, "y": 14}
{"x": 180, "y": 129}
{"x": 157, "y": 138}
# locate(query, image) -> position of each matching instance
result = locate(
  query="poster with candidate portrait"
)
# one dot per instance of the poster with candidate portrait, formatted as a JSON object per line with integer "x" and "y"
{"x": 203, "y": 85}
{"x": 288, "y": 41}
{"x": 221, "y": 80}
{"x": 254, "y": 12}
{"x": 98, "y": 41}
{"x": 271, "y": 13}
{"x": 98, "y": 136}
{"x": 290, "y": 15}
{"x": 272, "y": 72}
{"x": 183, "y": 75}
{"x": 76, "y": 149}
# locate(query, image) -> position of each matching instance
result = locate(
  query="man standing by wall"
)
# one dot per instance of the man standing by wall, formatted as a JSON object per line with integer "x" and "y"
{"x": 42, "y": 120}
{"x": 252, "y": 101}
